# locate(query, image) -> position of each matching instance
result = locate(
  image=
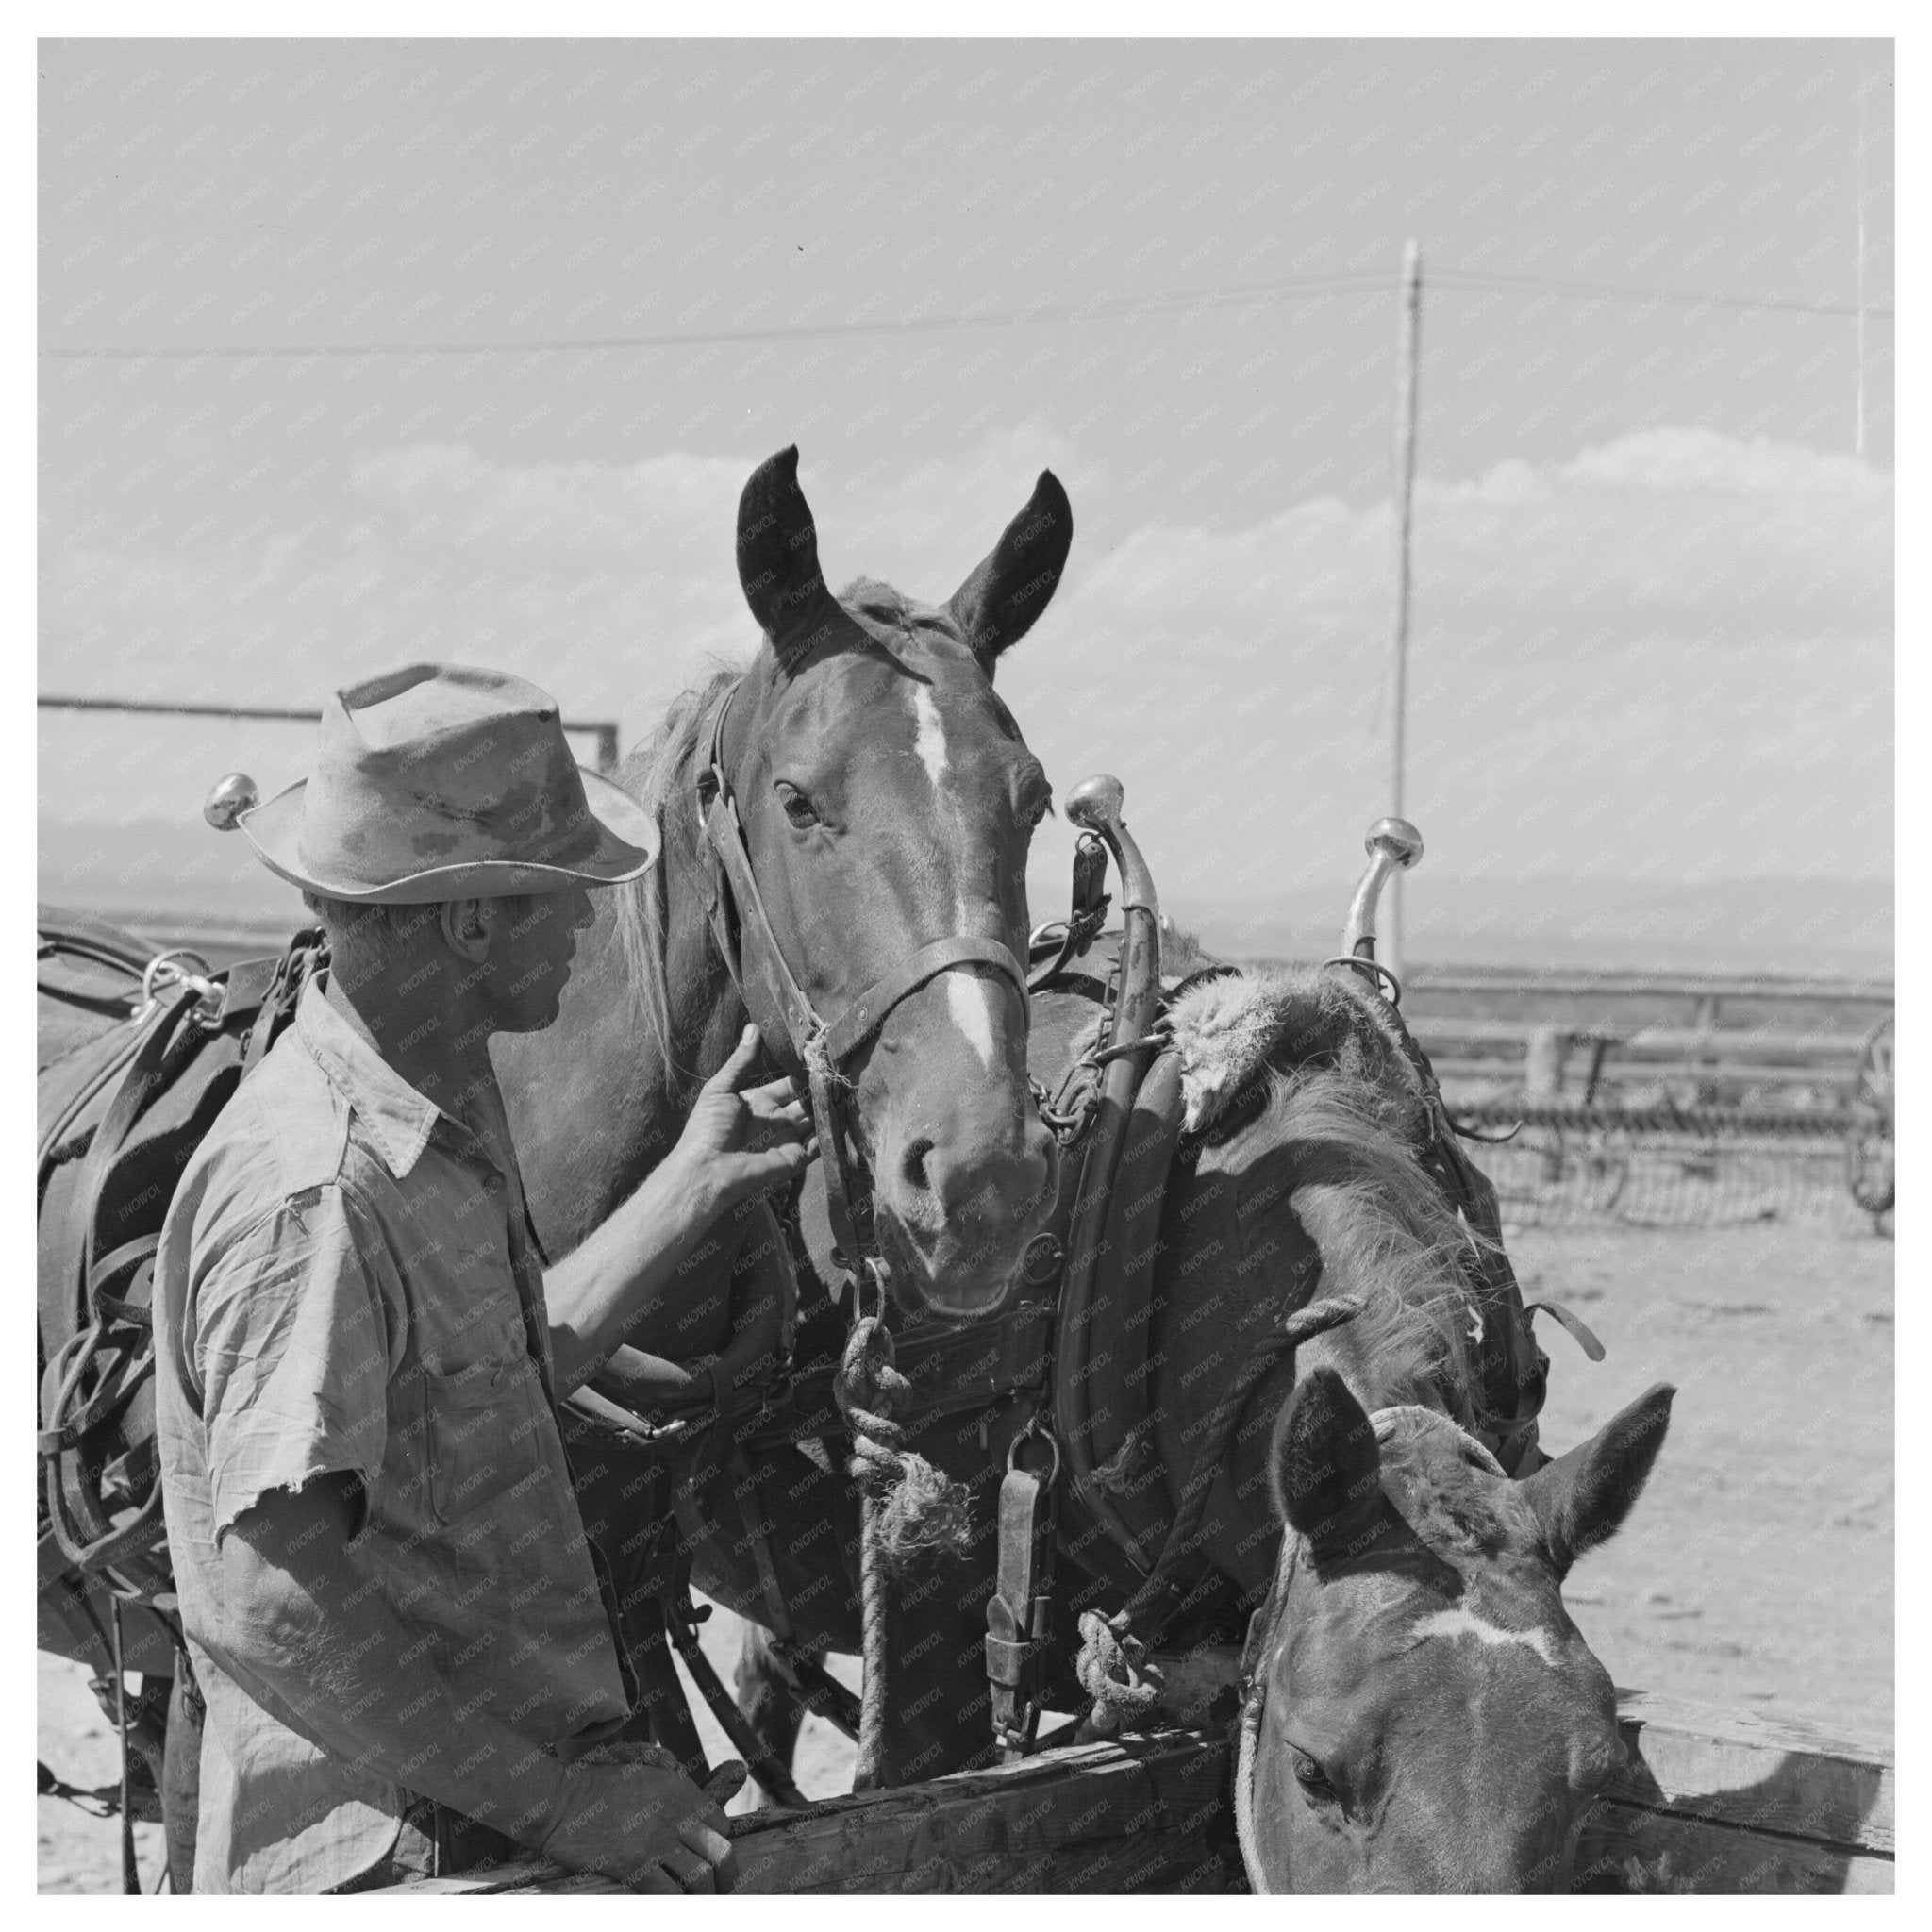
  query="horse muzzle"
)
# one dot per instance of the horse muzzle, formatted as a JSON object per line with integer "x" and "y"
{"x": 959, "y": 1212}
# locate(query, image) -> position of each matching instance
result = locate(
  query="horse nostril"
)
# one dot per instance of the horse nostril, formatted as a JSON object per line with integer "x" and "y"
{"x": 912, "y": 1164}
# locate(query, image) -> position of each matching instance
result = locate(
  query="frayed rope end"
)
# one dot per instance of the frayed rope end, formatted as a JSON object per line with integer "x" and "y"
{"x": 926, "y": 1513}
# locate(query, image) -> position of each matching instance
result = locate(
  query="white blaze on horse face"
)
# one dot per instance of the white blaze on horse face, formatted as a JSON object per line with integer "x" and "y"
{"x": 967, "y": 999}
{"x": 1463, "y": 1621}
{"x": 966, "y": 993}
{"x": 932, "y": 743}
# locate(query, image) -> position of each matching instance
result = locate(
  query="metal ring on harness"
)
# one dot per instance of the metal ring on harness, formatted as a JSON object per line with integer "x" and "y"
{"x": 1374, "y": 969}
{"x": 1035, "y": 1427}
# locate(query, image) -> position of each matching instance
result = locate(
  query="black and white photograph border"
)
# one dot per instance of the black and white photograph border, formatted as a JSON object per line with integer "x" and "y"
{"x": 1264, "y": 664}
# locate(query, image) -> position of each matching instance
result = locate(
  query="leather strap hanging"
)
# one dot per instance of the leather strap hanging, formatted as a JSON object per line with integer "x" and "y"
{"x": 1018, "y": 1612}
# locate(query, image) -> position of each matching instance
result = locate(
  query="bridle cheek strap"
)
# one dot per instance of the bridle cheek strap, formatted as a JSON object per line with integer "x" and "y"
{"x": 1262, "y": 1628}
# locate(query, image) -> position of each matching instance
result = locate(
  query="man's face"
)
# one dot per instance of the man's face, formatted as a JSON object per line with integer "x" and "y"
{"x": 532, "y": 942}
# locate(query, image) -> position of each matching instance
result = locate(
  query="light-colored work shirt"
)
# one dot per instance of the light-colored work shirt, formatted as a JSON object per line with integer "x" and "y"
{"x": 345, "y": 1283}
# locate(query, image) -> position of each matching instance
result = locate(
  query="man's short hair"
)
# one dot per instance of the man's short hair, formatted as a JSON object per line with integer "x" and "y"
{"x": 362, "y": 940}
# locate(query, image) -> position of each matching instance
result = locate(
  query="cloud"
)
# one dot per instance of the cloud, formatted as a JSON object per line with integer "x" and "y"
{"x": 1667, "y": 657}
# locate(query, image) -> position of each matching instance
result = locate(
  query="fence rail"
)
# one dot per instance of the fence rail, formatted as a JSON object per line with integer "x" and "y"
{"x": 602, "y": 730}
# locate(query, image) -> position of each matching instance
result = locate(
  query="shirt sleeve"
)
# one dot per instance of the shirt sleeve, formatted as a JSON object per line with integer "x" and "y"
{"x": 290, "y": 1344}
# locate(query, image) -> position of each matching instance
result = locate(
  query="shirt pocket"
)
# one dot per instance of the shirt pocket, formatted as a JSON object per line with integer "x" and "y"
{"x": 483, "y": 1432}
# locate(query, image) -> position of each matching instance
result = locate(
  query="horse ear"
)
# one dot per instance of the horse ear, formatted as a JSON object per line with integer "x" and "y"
{"x": 778, "y": 554}
{"x": 1326, "y": 1466}
{"x": 998, "y": 603}
{"x": 1581, "y": 1499}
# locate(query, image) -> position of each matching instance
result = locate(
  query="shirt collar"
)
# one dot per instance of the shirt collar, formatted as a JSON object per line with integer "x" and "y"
{"x": 399, "y": 1119}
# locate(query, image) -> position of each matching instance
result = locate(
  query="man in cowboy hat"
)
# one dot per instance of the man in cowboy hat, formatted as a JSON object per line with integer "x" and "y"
{"x": 396, "y": 1622}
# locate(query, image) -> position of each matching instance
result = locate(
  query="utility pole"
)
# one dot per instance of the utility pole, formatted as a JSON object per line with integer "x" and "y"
{"x": 1405, "y": 497}
{"x": 1858, "y": 437}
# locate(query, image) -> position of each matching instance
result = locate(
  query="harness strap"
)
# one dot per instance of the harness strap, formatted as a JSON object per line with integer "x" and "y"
{"x": 1117, "y": 1372}
{"x": 1018, "y": 1612}
{"x": 869, "y": 1010}
{"x": 139, "y": 1085}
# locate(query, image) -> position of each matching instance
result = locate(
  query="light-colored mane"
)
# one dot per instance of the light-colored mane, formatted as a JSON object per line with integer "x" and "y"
{"x": 1384, "y": 1230}
{"x": 658, "y": 774}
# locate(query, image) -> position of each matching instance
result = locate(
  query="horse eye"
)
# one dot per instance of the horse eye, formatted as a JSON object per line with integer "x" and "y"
{"x": 1312, "y": 1777}
{"x": 798, "y": 807}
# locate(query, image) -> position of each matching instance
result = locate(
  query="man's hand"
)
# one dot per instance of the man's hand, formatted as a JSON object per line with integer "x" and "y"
{"x": 628, "y": 1812}
{"x": 738, "y": 1144}
{"x": 735, "y": 1146}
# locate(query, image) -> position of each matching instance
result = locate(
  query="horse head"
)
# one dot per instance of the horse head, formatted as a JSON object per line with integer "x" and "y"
{"x": 887, "y": 798}
{"x": 1425, "y": 1717}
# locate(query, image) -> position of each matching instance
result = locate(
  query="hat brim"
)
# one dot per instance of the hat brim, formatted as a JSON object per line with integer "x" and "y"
{"x": 628, "y": 846}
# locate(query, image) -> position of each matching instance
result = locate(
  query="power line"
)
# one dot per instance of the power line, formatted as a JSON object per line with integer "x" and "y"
{"x": 1366, "y": 281}
{"x": 1474, "y": 280}
{"x": 1467, "y": 281}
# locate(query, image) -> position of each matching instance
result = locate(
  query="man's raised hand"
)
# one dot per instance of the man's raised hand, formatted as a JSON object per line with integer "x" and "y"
{"x": 742, "y": 1140}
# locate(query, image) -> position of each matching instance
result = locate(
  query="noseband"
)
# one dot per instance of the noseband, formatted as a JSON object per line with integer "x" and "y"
{"x": 819, "y": 1047}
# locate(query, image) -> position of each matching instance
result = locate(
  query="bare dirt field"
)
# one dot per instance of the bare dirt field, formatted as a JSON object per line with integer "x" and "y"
{"x": 1757, "y": 1571}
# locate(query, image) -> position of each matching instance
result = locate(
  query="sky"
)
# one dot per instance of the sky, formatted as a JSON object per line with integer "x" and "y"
{"x": 1652, "y": 619}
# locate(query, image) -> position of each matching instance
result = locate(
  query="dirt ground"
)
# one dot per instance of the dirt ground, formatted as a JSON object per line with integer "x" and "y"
{"x": 1758, "y": 1568}
{"x": 1757, "y": 1571}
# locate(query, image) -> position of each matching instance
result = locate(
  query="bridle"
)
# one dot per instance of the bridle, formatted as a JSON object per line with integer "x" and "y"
{"x": 1261, "y": 1630}
{"x": 819, "y": 1047}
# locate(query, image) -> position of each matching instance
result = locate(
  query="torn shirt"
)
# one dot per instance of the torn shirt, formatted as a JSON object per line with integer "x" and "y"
{"x": 345, "y": 1283}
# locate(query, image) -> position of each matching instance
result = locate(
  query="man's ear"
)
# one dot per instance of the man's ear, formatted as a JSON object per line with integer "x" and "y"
{"x": 466, "y": 929}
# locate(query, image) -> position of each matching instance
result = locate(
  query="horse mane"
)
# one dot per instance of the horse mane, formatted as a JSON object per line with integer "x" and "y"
{"x": 1384, "y": 1230}
{"x": 885, "y": 603}
{"x": 655, "y": 773}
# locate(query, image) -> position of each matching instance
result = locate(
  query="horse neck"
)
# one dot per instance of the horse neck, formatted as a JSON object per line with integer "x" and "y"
{"x": 704, "y": 1012}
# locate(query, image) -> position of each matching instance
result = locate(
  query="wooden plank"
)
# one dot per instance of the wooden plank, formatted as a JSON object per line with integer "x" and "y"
{"x": 1769, "y": 1774}
{"x": 1630, "y": 1848}
{"x": 1723, "y": 1043}
{"x": 1714, "y": 1801}
{"x": 1574, "y": 980}
{"x": 1143, "y": 1809}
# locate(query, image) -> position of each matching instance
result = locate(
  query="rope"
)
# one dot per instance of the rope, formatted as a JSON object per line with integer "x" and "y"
{"x": 906, "y": 1507}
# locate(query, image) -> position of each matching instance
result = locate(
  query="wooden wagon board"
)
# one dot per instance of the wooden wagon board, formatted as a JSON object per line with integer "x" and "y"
{"x": 1713, "y": 1801}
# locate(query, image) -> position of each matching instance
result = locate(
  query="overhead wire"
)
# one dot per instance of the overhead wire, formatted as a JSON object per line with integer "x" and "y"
{"x": 1367, "y": 281}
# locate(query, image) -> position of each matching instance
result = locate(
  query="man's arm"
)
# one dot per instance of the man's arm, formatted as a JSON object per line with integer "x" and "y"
{"x": 336, "y": 1663}
{"x": 735, "y": 1146}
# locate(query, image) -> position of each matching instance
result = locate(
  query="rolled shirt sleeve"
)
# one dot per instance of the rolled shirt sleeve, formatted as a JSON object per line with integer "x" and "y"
{"x": 292, "y": 1347}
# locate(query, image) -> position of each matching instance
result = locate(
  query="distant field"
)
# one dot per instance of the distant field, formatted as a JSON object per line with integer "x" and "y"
{"x": 152, "y": 870}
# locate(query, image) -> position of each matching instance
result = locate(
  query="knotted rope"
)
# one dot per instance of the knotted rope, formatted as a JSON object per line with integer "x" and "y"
{"x": 906, "y": 1507}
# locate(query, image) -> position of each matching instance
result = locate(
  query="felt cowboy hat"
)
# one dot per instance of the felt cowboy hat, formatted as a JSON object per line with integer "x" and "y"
{"x": 441, "y": 781}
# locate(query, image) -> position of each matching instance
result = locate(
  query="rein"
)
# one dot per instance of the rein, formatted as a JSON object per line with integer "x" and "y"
{"x": 1261, "y": 1629}
{"x": 819, "y": 1046}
